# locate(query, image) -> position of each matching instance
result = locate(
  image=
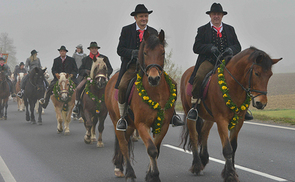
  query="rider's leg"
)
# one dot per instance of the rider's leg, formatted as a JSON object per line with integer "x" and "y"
{"x": 128, "y": 75}
{"x": 203, "y": 70}
{"x": 176, "y": 120}
{"x": 11, "y": 87}
{"x": 79, "y": 90}
{"x": 44, "y": 102}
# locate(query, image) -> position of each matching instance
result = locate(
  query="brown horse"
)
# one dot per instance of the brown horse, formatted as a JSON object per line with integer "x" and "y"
{"x": 152, "y": 96}
{"x": 93, "y": 105}
{"x": 63, "y": 99}
{"x": 246, "y": 77}
{"x": 4, "y": 95}
{"x": 20, "y": 102}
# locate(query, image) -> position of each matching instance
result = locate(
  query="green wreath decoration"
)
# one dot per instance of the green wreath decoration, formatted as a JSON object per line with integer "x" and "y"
{"x": 155, "y": 105}
{"x": 93, "y": 97}
{"x": 56, "y": 92}
{"x": 228, "y": 101}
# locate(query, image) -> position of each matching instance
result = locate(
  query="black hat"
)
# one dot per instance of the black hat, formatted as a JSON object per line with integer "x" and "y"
{"x": 33, "y": 52}
{"x": 2, "y": 59}
{"x": 140, "y": 8}
{"x": 21, "y": 63}
{"x": 93, "y": 44}
{"x": 62, "y": 48}
{"x": 216, "y": 7}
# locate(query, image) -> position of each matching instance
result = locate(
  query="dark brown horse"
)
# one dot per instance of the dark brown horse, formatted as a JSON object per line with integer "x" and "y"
{"x": 152, "y": 104}
{"x": 93, "y": 105}
{"x": 244, "y": 77}
{"x": 34, "y": 90}
{"x": 4, "y": 95}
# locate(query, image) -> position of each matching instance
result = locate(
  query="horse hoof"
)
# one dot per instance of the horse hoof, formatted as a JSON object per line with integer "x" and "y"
{"x": 81, "y": 120}
{"x": 93, "y": 139}
{"x": 39, "y": 123}
{"x": 118, "y": 173}
{"x": 99, "y": 145}
{"x": 33, "y": 122}
{"x": 59, "y": 131}
{"x": 87, "y": 140}
{"x": 28, "y": 118}
{"x": 67, "y": 133}
{"x": 5, "y": 117}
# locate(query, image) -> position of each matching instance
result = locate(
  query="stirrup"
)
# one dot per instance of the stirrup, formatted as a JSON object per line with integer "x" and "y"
{"x": 192, "y": 114}
{"x": 20, "y": 94}
{"x": 121, "y": 124}
{"x": 42, "y": 101}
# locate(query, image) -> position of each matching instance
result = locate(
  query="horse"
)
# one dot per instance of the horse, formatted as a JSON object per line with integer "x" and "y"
{"x": 46, "y": 76}
{"x": 20, "y": 102}
{"x": 237, "y": 81}
{"x": 152, "y": 105}
{"x": 63, "y": 99}
{"x": 4, "y": 95}
{"x": 93, "y": 104}
{"x": 34, "y": 90}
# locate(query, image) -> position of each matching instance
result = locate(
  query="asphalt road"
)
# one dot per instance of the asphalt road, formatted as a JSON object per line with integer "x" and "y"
{"x": 33, "y": 153}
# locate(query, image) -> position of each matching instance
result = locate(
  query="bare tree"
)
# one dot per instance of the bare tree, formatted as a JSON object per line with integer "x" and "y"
{"x": 6, "y": 46}
{"x": 171, "y": 68}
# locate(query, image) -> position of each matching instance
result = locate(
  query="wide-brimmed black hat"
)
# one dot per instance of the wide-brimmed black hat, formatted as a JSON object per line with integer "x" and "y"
{"x": 93, "y": 44}
{"x": 62, "y": 48}
{"x": 140, "y": 8}
{"x": 33, "y": 52}
{"x": 217, "y": 8}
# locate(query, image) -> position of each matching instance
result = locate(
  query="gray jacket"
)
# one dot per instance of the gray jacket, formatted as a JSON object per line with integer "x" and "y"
{"x": 78, "y": 58}
{"x": 32, "y": 64}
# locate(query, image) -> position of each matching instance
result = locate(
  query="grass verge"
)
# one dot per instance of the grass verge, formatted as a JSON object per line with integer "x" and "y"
{"x": 278, "y": 116}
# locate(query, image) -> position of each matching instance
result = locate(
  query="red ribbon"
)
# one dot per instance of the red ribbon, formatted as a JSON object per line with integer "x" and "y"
{"x": 140, "y": 34}
{"x": 218, "y": 31}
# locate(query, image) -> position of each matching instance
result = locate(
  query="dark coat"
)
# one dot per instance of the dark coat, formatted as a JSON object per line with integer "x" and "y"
{"x": 203, "y": 44}
{"x": 70, "y": 67}
{"x": 87, "y": 64}
{"x": 127, "y": 43}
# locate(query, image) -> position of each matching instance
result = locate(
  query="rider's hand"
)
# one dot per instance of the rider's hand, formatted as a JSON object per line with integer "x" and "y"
{"x": 56, "y": 74}
{"x": 228, "y": 51}
{"x": 214, "y": 50}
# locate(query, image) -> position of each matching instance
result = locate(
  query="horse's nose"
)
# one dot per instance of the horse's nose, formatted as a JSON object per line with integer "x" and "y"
{"x": 154, "y": 81}
{"x": 259, "y": 105}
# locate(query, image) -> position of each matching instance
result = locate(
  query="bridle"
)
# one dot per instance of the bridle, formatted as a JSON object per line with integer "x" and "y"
{"x": 248, "y": 90}
{"x": 145, "y": 69}
{"x": 63, "y": 91}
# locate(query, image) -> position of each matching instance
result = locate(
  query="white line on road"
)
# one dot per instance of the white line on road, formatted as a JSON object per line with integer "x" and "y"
{"x": 4, "y": 171}
{"x": 268, "y": 125}
{"x": 237, "y": 166}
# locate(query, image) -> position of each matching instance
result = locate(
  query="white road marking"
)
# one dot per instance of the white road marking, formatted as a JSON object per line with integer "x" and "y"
{"x": 4, "y": 171}
{"x": 237, "y": 166}
{"x": 269, "y": 125}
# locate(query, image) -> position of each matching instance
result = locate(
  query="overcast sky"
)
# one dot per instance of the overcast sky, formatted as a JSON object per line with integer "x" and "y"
{"x": 45, "y": 25}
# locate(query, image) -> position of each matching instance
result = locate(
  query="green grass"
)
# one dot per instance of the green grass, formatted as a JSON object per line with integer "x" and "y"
{"x": 279, "y": 116}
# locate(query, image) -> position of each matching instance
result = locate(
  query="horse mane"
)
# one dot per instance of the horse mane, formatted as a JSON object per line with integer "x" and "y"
{"x": 97, "y": 65}
{"x": 261, "y": 58}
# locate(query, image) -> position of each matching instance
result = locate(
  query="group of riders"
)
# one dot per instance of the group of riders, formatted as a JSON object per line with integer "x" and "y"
{"x": 212, "y": 40}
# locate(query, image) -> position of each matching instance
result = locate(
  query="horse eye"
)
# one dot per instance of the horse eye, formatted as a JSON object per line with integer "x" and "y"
{"x": 257, "y": 74}
{"x": 163, "y": 53}
{"x": 144, "y": 53}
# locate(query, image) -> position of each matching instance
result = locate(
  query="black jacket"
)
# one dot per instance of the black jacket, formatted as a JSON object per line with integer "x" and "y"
{"x": 87, "y": 64}
{"x": 70, "y": 67}
{"x": 203, "y": 43}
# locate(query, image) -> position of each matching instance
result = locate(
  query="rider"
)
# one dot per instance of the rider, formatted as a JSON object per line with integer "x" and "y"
{"x": 63, "y": 63}
{"x": 4, "y": 67}
{"x": 20, "y": 69}
{"x": 130, "y": 39}
{"x": 212, "y": 39}
{"x": 32, "y": 62}
{"x": 85, "y": 68}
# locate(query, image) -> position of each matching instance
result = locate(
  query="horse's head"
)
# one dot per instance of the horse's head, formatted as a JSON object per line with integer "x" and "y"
{"x": 99, "y": 73}
{"x": 151, "y": 56}
{"x": 259, "y": 71}
{"x": 20, "y": 76}
{"x": 37, "y": 77}
{"x": 64, "y": 85}
{"x": 46, "y": 74}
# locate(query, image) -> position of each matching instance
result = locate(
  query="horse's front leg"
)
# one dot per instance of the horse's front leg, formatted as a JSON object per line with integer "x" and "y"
{"x": 66, "y": 115}
{"x": 204, "y": 155}
{"x": 39, "y": 113}
{"x": 27, "y": 109}
{"x": 228, "y": 173}
{"x": 197, "y": 165}
{"x": 6, "y": 106}
{"x": 88, "y": 125}
{"x": 100, "y": 128}
{"x": 32, "y": 107}
{"x": 58, "y": 119}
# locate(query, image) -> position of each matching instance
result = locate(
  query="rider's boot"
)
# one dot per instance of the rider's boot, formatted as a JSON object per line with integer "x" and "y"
{"x": 122, "y": 123}
{"x": 176, "y": 120}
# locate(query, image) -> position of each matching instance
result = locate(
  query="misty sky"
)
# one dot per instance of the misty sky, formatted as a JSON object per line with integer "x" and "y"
{"x": 45, "y": 25}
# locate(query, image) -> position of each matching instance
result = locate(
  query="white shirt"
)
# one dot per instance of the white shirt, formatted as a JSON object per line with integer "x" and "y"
{"x": 221, "y": 25}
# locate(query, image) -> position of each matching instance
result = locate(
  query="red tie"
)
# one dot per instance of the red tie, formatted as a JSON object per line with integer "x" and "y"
{"x": 140, "y": 34}
{"x": 218, "y": 31}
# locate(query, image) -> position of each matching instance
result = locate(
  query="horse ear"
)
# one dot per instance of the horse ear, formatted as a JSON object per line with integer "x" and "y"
{"x": 162, "y": 35}
{"x": 274, "y": 61}
{"x": 44, "y": 69}
{"x": 67, "y": 75}
{"x": 146, "y": 35}
{"x": 57, "y": 76}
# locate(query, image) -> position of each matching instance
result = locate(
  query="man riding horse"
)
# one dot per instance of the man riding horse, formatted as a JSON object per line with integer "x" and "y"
{"x": 4, "y": 67}
{"x": 65, "y": 64}
{"x": 129, "y": 42}
{"x": 85, "y": 68}
{"x": 212, "y": 39}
